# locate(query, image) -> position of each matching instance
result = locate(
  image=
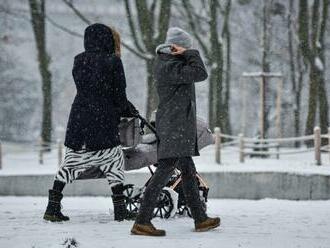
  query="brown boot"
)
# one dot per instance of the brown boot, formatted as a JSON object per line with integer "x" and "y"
{"x": 207, "y": 224}
{"x": 147, "y": 230}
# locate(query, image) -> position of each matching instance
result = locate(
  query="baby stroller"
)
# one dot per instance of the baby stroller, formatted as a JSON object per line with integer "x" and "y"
{"x": 140, "y": 151}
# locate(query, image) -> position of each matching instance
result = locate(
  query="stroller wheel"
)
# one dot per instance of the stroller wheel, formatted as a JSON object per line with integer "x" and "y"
{"x": 132, "y": 198}
{"x": 167, "y": 203}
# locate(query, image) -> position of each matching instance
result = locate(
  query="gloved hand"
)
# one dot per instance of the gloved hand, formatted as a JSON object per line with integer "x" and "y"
{"x": 133, "y": 111}
{"x": 130, "y": 111}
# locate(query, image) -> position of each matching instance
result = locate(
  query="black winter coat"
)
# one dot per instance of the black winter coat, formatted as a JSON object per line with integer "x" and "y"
{"x": 176, "y": 113}
{"x": 101, "y": 99}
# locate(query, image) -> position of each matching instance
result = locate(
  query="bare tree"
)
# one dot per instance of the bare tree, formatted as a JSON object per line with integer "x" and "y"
{"x": 217, "y": 54}
{"x": 37, "y": 11}
{"x": 148, "y": 31}
{"x": 312, "y": 28}
{"x": 226, "y": 33}
{"x": 266, "y": 58}
{"x": 297, "y": 69}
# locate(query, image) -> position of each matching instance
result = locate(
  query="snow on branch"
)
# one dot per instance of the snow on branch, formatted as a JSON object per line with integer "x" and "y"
{"x": 318, "y": 63}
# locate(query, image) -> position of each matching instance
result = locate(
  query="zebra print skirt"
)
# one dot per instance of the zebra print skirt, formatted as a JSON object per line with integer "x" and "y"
{"x": 82, "y": 164}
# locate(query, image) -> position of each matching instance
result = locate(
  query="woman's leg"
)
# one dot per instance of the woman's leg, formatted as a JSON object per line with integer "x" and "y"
{"x": 190, "y": 188}
{"x": 63, "y": 176}
{"x": 158, "y": 181}
{"x": 114, "y": 167}
{"x": 58, "y": 185}
{"x": 114, "y": 172}
{"x": 53, "y": 210}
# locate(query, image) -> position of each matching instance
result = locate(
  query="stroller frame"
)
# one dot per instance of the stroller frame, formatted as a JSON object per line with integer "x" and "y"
{"x": 171, "y": 200}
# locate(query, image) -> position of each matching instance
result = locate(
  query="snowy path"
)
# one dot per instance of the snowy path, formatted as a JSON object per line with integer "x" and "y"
{"x": 264, "y": 223}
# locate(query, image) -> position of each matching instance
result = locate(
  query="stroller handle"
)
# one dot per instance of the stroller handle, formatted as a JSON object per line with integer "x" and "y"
{"x": 145, "y": 122}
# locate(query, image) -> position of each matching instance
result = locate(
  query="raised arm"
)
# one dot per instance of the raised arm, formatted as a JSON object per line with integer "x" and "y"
{"x": 192, "y": 71}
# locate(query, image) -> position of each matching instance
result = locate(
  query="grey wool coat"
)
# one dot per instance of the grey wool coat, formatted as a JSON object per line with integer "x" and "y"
{"x": 176, "y": 114}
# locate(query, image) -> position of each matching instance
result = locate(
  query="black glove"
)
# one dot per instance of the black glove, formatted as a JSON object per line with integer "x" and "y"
{"x": 130, "y": 111}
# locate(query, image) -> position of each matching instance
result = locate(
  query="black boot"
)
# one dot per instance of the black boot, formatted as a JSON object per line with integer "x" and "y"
{"x": 119, "y": 205}
{"x": 53, "y": 212}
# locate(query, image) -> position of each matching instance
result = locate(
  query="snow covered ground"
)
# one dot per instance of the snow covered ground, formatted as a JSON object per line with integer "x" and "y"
{"x": 245, "y": 223}
{"x": 21, "y": 160}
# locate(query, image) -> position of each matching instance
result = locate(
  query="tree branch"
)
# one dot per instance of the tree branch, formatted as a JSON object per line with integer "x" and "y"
{"x": 163, "y": 20}
{"x": 136, "y": 53}
{"x": 132, "y": 27}
{"x": 191, "y": 22}
{"x": 77, "y": 12}
{"x": 63, "y": 28}
{"x": 87, "y": 21}
{"x": 303, "y": 29}
{"x": 143, "y": 14}
{"x": 323, "y": 24}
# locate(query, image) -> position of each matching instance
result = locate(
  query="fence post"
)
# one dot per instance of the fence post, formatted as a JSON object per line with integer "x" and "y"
{"x": 217, "y": 133}
{"x": 317, "y": 145}
{"x": 0, "y": 156}
{"x": 59, "y": 152}
{"x": 241, "y": 148}
{"x": 329, "y": 141}
{"x": 41, "y": 151}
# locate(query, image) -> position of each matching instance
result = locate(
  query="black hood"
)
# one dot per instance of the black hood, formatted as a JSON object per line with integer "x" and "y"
{"x": 98, "y": 37}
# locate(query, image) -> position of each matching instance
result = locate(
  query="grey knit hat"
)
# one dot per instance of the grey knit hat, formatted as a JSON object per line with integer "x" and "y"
{"x": 175, "y": 36}
{"x": 179, "y": 37}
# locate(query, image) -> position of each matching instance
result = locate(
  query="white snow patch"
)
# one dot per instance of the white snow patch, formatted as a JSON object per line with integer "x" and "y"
{"x": 319, "y": 64}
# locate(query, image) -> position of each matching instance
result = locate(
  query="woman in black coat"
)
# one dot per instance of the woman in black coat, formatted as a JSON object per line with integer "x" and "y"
{"x": 92, "y": 136}
{"x": 177, "y": 68}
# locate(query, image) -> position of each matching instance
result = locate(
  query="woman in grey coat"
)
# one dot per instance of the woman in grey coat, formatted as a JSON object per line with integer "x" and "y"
{"x": 177, "y": 68}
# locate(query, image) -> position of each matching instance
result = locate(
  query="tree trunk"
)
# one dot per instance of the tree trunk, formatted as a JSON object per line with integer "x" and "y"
{"x": 324, "y": 108}
{"x": 211, "y": 100}
{"x": 296, "y": 90}
{"x": 312, "y": 47}
{"x": 265, "y": 64}
{"x": 37, "y": 10}
{"x": 323, "y": 100}
{"x": 216, "y": 77}
{"x": 218, "y": 99}
{"x": 152, "y": 23}
{"x": 312, "y": 100}
{"x": 227, "y": 36}
{"x": 152, "y": 100}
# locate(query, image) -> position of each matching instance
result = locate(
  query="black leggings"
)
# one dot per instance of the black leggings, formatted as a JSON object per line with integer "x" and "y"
{"x": 162, "y": 175}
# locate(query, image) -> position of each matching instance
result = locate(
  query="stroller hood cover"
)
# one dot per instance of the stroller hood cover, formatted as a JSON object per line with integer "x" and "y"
{"x": 145, "y": 154}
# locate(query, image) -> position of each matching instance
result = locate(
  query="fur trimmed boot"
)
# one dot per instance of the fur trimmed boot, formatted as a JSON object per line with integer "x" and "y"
{"x": 53, "y": 212}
